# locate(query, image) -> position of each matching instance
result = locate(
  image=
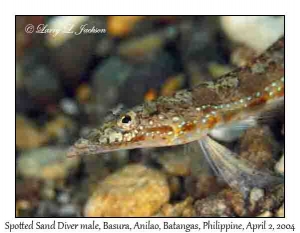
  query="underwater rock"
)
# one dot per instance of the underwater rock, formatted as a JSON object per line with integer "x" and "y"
{"x": 146, "y": 75}
{"x": 106, "y": 81}
{"x": 279, "y": 167}
{"x": 42, "y": 83}
{"x": 256, "y": 32}
{"x": 28, "y": 136}
{"x": 273, "y": 199}
{"x": 141, "y": 47}
{"x": 228, "y": 203}
{"x": 64, "y": 24}
{"x": 73, "y": 57}
{"x": 180, "y": 209}
{"x": 132, "y": 191}
{"x": 47, "y": 163}
{"x": 60, "y": 129}
{"x": 280, "y": 211}
{"x": 259, "y": 147}
{"x": 175, "y": 164}
{"x": 121, "y": 26}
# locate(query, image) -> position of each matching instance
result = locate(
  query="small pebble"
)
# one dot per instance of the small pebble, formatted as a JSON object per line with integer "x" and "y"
{"x": 180, "y": 209}
{"x": 106, "y": 80}
{"x": 227, "y": 203}
{"x": 48, "y": 193}
{"x": 121, "y": 26}
{"x": 28, "y": 136}
{"x": 265, "y": 214}
{"x": 23, "y": 207}
{"x": 69, "y": 106}
{"x": 142, "y": 47}
{"x": 273, "y": 199}
{"x": 155, "y": 70}
{"x": 48, "y": 163}
{"x": 202, "y": 185}
{"x": 105, "y": 46}
{"x": 257, "y": 32}
{"x": 64, "y": 23}
{"x": 42, "y": 81}
{"x": 28, "y": 189}
{"x": 280, "y": 212}
{"x": 60, "y": 128}
{"x": 47, "y": 208}
{"x": 258, "y": 146}
{"x": 279, "y": 167}
{"x": 63, "y": 198}
{"x": 175, "y": 186}
{"x": 83, "y": 93}
{"x": 210, "y": 207}
{"x": 255, "y": 195}
{"x": 172, "y": 84}
{"x": 175, "y": 164}
{"x": 68, "y": 210}
{"x": 132, "y": 191}
{"x": 71, "y": 55}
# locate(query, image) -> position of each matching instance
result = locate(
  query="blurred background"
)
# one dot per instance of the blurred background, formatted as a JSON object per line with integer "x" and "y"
{"x": 66, "y": 83}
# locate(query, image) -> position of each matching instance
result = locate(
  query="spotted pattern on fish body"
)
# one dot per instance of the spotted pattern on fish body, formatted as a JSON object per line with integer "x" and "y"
{"x": 190, "y": 114}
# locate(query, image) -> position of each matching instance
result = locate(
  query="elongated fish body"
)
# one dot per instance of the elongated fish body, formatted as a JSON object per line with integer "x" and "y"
{"x": 191, "y": 115}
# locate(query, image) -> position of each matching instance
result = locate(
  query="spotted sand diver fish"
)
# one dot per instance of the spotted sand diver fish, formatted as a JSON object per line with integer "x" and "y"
{"x": 238, "y": 97}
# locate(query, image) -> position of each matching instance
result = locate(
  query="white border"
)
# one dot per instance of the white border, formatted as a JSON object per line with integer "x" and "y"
{"x": 158, "y": 7}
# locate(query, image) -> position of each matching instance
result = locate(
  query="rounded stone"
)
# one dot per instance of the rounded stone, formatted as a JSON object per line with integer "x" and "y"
{"x": 255, "y": 195}
{"x": 280, "y": 211}
{"x": 132, "y": 191}
{"x": 28, "y": 136}
{"x": 48, "y": 163}
{"x": 279, "y": 167}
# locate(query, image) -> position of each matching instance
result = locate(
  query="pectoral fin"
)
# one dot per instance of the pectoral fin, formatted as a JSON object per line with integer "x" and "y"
{"x": 237, "y": 172}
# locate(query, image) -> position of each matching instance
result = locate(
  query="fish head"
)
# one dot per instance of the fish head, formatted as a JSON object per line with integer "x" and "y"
{"x": 140, "y": 127}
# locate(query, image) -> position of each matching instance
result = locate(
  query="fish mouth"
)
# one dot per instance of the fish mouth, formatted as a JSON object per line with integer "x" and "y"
{"x": 81, "y": 147}
{"x": 84, "y": 147}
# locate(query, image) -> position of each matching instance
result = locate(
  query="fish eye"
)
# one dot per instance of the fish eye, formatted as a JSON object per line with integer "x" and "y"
{"x": 126, "y": 119}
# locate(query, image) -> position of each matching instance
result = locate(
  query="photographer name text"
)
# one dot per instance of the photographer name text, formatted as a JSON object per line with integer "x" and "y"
{"x": 68, "y": 29}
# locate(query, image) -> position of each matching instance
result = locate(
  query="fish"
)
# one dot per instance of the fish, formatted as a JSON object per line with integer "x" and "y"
{"x": 196, "y": 114}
